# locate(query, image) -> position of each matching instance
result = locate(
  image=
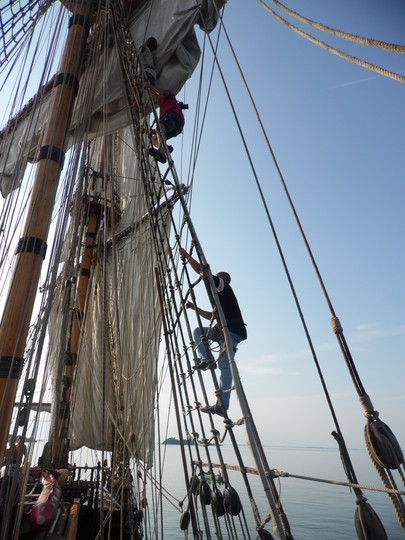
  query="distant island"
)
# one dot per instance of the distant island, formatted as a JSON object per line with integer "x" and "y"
{"x": 172, "y": 440}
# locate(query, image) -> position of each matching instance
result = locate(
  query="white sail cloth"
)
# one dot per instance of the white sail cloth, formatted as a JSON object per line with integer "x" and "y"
{"x": 172, "y": 23}
{"x": 114, "y": 386}
{"x": 115, "y": 381}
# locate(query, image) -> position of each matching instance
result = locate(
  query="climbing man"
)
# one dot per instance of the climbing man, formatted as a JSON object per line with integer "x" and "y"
{"x": 171, "y": 120}
{"x": 148, "y": 63}
{"x": 236, "y": 327}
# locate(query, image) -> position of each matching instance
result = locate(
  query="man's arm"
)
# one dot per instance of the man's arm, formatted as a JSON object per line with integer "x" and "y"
{"x": 195, "y": 265}
{"x": 203, "y": 313}
{"x": 156, "y": 90}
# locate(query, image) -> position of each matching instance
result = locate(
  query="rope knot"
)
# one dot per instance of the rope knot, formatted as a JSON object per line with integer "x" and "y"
{"x": 336, "y": 326}
{"x": 369, "y": 411}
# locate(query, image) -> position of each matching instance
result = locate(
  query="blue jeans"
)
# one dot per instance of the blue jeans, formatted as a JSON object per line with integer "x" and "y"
{"x": 225, "y": 381}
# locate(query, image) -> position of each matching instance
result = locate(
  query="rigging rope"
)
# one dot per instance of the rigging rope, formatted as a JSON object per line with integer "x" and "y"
{"x": 352, "y": 37}
{"x": 371, "y": 415}
{"x": 181, "y": 374}
{"x": 160, "y": 235}
{"x": 363, "y": 63}
{"x": 16, "y": 23}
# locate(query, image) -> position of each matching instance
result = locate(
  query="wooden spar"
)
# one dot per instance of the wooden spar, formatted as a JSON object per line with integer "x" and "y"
{"x": 32, "y": 246}
{"x": 71, "y": 528}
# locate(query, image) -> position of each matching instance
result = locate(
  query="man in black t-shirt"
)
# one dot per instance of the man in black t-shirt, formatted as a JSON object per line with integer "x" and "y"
{"x": 236, "y": 327}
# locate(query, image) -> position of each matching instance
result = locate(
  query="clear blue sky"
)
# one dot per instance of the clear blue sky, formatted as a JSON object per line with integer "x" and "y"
{"x": 337, "y": 130}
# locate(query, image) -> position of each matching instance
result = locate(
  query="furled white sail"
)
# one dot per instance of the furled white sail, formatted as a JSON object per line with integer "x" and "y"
{"x": 116, "y": 371}
{"x": 172, "y": 23}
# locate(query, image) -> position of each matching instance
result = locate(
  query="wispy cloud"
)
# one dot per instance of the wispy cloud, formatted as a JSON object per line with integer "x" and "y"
{"x": 269, "y": 358}
{"x": 370, "y": 331}
{"x": 359, "y": 81}
{"x": 261, "y": 370}
{"x": 300, "y": 353}
{"x": 276, "y": 363}
{"x": 266, "y": 364}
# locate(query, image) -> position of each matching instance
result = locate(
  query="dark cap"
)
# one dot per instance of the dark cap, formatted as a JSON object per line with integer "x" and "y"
{"x": 151, "y": 43}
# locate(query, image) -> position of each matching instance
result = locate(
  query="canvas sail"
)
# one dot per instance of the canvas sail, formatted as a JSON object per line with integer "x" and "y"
{"x": 172, "y": 23}
{"x": 116, "y": 376}
{"x": 115, "y": 380}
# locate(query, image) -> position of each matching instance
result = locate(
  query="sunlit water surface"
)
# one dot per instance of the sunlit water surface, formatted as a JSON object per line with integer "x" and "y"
{"x": 315, "y": 510}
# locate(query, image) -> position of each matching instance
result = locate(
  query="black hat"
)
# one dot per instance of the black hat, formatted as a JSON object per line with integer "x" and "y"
{"x": 151, "y": 43}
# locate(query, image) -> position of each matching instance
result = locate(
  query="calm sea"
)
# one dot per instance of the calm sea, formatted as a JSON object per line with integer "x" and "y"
{"x": 315, "y": 510}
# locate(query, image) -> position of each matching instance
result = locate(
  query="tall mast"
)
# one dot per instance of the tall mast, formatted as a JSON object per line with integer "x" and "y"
{"x": 32, "y": 246}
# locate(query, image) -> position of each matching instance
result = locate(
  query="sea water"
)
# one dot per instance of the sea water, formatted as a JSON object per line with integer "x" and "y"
{"x": 315, "y": 510}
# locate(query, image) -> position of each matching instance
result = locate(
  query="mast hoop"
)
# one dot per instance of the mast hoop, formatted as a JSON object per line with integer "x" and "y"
{"x": 69, "y": 79}
{"x": 80, "y": 20}
{"x": 10, "y": 366}
{"x": 53, "y": 153}
{"x": 32, "y": 244}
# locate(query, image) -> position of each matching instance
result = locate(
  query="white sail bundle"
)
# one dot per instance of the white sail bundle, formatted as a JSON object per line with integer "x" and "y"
{"x": 116, "y": 376}
{"x": 172, "y": 23}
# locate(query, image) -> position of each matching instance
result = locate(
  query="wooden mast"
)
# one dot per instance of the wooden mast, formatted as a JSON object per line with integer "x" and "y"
{"x": 32, "y": 246}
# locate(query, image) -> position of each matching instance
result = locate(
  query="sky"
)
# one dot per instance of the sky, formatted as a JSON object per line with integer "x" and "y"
{"x": 337, "y": 131}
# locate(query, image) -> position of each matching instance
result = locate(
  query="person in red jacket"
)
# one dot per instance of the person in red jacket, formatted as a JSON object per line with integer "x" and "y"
{"x": 171, "y": 120}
